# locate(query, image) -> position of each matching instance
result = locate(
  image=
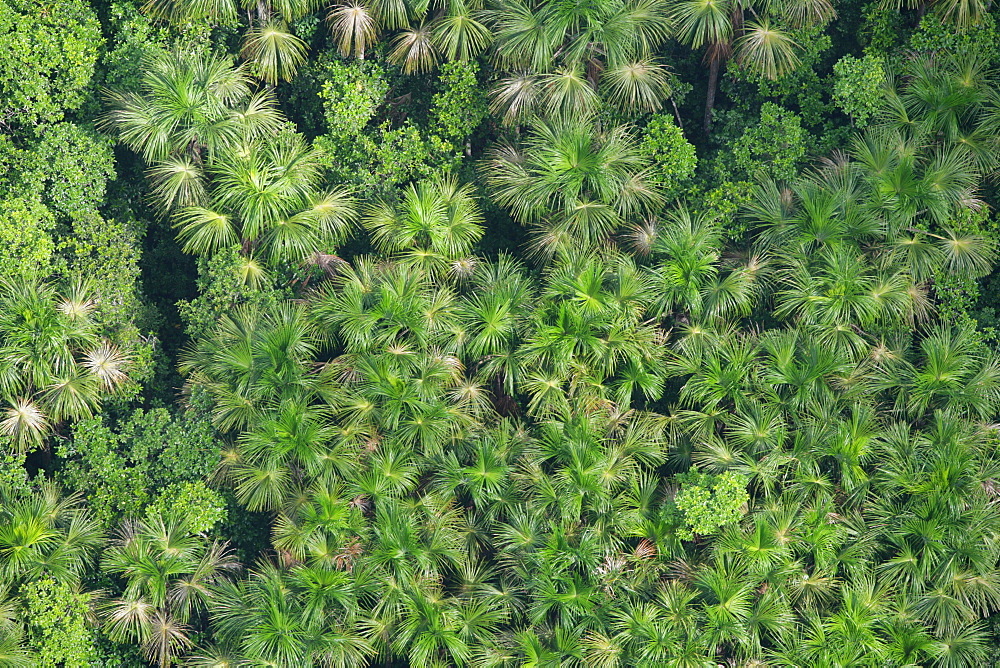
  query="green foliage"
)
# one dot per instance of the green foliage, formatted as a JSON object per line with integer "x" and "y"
{"x": 107, "y": 252}
{"x": 109, "y": 654}
{"x": 673, "y": 158}
{"x": 724, "y": 202}
{"x": 964, "y": 300}
{"x": 730, "y": 403}
{"x": 459, "y": 106}
{"x": 385, "y": 157}
{"x": 858, "y": 86}
{"x": 222, "y": 286}
{"x": 979, "y": 40}
{"x": 396, "y": 155}
{"x": 709, "y": 502}
{"x": 805, "y": 89}
{"x": 58, "y": 365}
{"x": 957, "y": 300}
{"x": 883, "y": 31}
{"x": 122, "y": 470}
{"x": 199, "y": 508}
{"x": 67, "y": 168}
{"x": 51, "y": 50}
{"x": 378, "y": 155}
{"x": 26, "y": 245}
{"x": 112, "y": 481}
{"x": 775, "y": 147}
{"x": 77, "y": 164}
{"x": 13, "y": 474}
{"x": 60, "y": 183}
{"x": 59, "y": 628}
{"x": 352, "y": 94}
{"x": 181, "y": 448}
{"x": 135, "y": 37}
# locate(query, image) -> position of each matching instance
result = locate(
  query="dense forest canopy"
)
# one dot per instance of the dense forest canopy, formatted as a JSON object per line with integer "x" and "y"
{"x": 499, "y": 333}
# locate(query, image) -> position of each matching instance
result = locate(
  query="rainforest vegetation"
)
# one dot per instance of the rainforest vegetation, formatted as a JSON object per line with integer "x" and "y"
{"x": 499, "y": 333}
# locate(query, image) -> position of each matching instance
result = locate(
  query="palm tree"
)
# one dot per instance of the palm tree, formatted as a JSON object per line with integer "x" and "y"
{"x": 253, "y": 362}
{"x": 289, "y": 617}
{"x": 12, "y": 654}
{"x": 453, "y": 29}
{"x": 413, "y": 49}
{"x": 434, "y": 227}
{"x": 219, "y": 160}
{"x": 169, "y": 574}
{"x": 687, "y": 275}
{"x": 574, "y": 181}
{"x": 457, "y": 454}
{"x": 949, "y": 371}
{"x": 56, "y": 366}
{"x": 354, "y": 28}
{"x": 275, "y": 51}
{"x": 323, "y": 532}
{"x": 590, "y": 343}
{"x": 494, "y": 317}
{"x": 893, "y": 195}
{"x": 371, "y": 305}
{"x": 960, "y": 13}
{"x": 410, "y": 400}
{"x": 561, "y": 58}
{"x": 906, "y": 182}
{"x": 759, "y": 46}
{"x": 275, "y": 452}
{"x": 264, "y": 198}
{"x": 190, "y": 11}
{"x": 44, "y": 534}
{"x": 189, "y": 105}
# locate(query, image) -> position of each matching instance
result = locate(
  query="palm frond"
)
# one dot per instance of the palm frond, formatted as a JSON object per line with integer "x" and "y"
{"x": 413, "y": 50}
{"x": 766, "y": 51}
{"x": 353, "y": 27}
{"x": 275, "y": 51}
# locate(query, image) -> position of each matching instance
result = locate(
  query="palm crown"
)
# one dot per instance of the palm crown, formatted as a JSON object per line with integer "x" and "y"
{"x": 224, "y": 166}
{"x": 56, "y": 365}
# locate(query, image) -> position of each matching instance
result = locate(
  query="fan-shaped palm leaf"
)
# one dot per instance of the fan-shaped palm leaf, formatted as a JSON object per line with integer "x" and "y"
{"x": 353, "y": 27}
{"x": 640, "y": 85}
{"x": 459, "y": 36}
{"x": 701, "y": 22}
{"x": 203, "y": 231}
{"x": 108, "y": 363}
{"x": 25, "y": 424}
{"x": 413, "y": 50}
{"x": 523, "y": 40}
{"x": 568, "y": 93}
{"x": 177, "y": 182}
{"x": 391, "y": 14}
{"x": 969, "y": 254}
{"x": 275, "y": 51}
{"x": 802, "y": 13}
{"x": 516, "y": 97}
{"x": 766, "y": 51}
{"x": 185, "y": 11}
{"x": 292, "y": 10}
